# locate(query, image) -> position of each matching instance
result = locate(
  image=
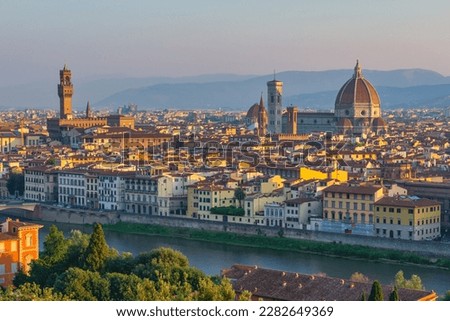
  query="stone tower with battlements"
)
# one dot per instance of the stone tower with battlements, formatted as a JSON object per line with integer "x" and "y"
{"x": 65, "y": 92}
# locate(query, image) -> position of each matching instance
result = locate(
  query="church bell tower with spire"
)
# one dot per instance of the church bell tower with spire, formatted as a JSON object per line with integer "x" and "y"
{"x": 65, "y": 92}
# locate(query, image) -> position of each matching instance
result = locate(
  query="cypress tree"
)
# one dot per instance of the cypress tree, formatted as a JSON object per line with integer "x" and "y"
{"x": 364, "y": 296}
{"x": 97, "y": 250}
{"x": 376, "y": 294}
{"x": 394, "y": 295}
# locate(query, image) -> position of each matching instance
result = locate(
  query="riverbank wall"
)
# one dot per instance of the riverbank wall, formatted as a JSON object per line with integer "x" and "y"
{"x": 78, "y": 216}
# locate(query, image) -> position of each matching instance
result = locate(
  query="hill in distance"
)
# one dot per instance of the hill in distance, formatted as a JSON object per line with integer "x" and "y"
{"x": 406, "y": 88}
{"x": 313, "y": 89}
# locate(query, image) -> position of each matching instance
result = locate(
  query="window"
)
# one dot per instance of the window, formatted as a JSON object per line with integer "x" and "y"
{"x": 13, "y": 246}
{"x": 2, "y": 269}
{"x": 399, "y": 233}
{"x": 29, "y": 240}
{"x": 14, "y": 267}
{"x": 398, "y": 210}
{"x": 410, "y": 211}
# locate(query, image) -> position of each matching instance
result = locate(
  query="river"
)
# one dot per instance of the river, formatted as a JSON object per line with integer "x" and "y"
{"x": 211, "y": 258}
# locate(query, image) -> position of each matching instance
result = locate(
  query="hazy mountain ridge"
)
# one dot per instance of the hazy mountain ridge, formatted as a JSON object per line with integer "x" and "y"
{"x": 406, "y": 88}
{"x": 315, "y": 89}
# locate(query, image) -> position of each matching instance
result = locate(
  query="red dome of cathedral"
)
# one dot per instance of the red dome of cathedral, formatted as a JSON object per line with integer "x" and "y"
{"x": 379, "y": 123}
{"x": 357, "y": 91}
{"x": 253, "y": 112}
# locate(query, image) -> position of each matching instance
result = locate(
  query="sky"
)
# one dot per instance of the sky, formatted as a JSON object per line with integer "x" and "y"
{"x": 144, "y": 38}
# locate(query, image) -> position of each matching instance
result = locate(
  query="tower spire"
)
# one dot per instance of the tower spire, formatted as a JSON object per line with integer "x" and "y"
{"x": 88, "y": 110}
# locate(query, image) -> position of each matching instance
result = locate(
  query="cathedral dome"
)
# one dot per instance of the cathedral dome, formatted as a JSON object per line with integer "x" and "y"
{"x": 379, "y": 123}
{"x": 253, "y": 111}
{"x": 357, "y": 91}
{"x": 344, "y": 123}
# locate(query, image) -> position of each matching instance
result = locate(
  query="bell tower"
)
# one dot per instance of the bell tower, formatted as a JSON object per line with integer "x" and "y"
{"x": 274, "y": 96}
{"x": 65, "y": 92}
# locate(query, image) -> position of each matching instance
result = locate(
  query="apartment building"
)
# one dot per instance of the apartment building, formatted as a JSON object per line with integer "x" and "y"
{"x": 72, "y": 188}
{"x": 350, "y": 209}
{"x": 111, "y": 190}
{"x": 407, "y": 217}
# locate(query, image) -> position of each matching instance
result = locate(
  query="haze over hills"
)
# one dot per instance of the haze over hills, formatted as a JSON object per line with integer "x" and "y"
{"x": 313, "y": 89}
{"x": 406, "y": 88}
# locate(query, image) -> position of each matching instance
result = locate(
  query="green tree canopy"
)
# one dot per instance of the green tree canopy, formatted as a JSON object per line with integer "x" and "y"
{"x": 364, "y": 296}
{"x": 446, "y": 296}
{"x": 359, "y": 277}
{"x": 16, "y": 182}
{"x": 376, "y": 294}
{"x": 239, "y": 194}
{"x": 55, "y": 245}
{"x": 30, "y": 292}
{"x": 97, "y": 251}
{"x": 82, "y": 285}
{"x": 414, "y": 283}
{"x": 394, "y": 295}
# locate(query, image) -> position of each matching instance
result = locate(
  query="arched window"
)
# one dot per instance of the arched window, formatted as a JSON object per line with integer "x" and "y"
{"x": 29, "y": 240}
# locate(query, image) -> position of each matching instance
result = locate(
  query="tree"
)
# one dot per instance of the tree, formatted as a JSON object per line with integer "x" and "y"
{"x": 245, "y": 296}
{"x": 394, "y": 295}
{"x": 447, "y": 296}
{"x": 82, "y": 285}
{"x": 364, "y": 296}
{"x": 239, "y": 194}
{"x": 16, "y": 183}
{"x": 165, "y": 256}
{"x": 359, "y": 277}
{"x": 376, "y": 294}
{"x": 30, "y": 292}
{"x": 55, "y": 245}
{"x": 209, "y": 291}
{"x": 123, "y": 287}
{"x": 97, "y": 251}
{"x": 414, "y": 283}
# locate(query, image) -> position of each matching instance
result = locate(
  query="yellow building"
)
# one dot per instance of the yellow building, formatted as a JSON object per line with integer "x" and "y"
{"x": 254, "y": 205}
{"x": 408, "y": 218}
{"x": 307, "y": 174}
{"x": 303, "y": 173}
{"x": 350, "y": 204}
{"x": 202, "y": 197}
{"x": 272, "y": 184}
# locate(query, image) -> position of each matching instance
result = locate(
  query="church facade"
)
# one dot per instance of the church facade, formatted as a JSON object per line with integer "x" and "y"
{"x": 357, "y": 111}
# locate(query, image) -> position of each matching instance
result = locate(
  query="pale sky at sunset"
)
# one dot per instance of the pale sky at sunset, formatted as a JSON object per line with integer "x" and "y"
{"x": 191, "y": 37}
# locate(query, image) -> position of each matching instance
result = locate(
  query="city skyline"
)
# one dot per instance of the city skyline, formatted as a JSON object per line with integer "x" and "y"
{"x": 174, "y": 39}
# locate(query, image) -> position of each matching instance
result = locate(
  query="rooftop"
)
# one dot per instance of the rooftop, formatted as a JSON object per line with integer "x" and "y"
{"x": 289, "y": 286}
